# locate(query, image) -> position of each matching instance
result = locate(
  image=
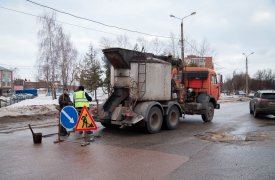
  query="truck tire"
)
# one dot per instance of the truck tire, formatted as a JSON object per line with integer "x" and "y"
{"x": 172, "y": 118}
{"x": 208, "y": 116}
{"x": 154, "y": 120}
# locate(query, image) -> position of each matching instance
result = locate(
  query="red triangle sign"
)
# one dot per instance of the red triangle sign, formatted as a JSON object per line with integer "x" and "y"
{"x": 85, "y": 121}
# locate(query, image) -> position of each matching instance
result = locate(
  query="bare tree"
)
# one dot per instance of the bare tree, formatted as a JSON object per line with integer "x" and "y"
{"x": 143, "y": 44}
{"x": 173, "y": 46}
{"x": 204, "y": 48}
{"x": 238, "y": 81}
{"x": 48, "y": 53}
{"x": 199, "y": 49}
{"x": 264, "y": 79}
{"x": 106, "y": 42}
{"x": 157, "y": 47}
{"x": 58, "y": 59}
{"x": 68, "y": 59}
{"x": 123, "y": 41}
{"x": 228, "y": 85}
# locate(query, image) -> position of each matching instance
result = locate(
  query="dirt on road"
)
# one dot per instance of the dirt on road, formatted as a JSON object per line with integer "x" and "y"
{"x": 9, "y": 124}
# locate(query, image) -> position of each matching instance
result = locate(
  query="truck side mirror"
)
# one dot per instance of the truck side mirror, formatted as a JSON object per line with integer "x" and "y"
{"x": 220, "y": 79}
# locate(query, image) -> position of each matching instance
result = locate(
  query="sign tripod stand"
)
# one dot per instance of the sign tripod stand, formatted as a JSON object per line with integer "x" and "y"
{"x": 69, "y": 119}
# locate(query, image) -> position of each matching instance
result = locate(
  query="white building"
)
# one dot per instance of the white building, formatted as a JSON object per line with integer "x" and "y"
{"x": 6, "y": 77}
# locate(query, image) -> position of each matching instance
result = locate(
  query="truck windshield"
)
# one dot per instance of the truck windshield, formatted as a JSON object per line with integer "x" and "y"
{"x": 268, "y": 96}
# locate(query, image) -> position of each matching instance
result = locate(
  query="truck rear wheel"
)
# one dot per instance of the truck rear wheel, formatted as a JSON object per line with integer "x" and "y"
{"x": 154, "y": 120}
{"x": 172, "y": 119}
{"x": 208, "y": 116}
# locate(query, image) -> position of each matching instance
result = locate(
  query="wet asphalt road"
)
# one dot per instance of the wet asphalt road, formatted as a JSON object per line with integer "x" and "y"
{"x": 233, "y": 146}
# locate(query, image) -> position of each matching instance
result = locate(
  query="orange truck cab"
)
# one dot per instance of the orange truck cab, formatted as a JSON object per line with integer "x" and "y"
{"x": 202, "y": 80}
{"x": 200, "y": 93}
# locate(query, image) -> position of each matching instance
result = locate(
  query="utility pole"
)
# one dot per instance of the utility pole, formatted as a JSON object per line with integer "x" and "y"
{"x": 181, "y": 33}
{"x": 246, "y": 76}
{"x": 246, "y": 72}
{"x": 182, "y": 43}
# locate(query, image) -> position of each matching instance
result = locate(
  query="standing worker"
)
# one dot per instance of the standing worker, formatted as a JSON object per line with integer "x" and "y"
{"x": 81, "y": 99}
{"x": 64, "y": 100}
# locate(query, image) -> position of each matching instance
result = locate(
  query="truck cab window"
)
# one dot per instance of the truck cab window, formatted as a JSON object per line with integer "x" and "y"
{"x": 214, "y": 79}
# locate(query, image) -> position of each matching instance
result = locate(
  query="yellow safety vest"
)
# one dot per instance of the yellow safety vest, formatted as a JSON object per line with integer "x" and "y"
{"x": 80, "y": 99}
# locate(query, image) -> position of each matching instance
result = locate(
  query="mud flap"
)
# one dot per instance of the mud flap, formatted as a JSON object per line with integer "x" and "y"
{"x": 133, "y": 121}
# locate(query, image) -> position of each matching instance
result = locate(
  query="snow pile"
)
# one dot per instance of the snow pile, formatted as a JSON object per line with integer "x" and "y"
{"x": 40, "y": 100}
{"x": 41, "y": 105}
{"x": 232, "y": 98}
{"x": 30, "y": 110}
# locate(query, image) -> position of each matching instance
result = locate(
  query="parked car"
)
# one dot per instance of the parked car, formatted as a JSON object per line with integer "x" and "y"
{"x": 240, "y": 93}
{"x": 263, "y": 102}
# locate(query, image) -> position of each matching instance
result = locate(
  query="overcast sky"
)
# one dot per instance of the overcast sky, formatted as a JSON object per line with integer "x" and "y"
{"x": 231, "y": 27}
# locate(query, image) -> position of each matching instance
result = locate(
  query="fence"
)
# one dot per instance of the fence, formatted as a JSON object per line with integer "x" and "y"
{"x": 7, "y": 101}
{"x": 27, "y": 91}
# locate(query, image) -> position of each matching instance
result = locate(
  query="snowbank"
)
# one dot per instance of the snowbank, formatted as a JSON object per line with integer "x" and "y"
{"x": 40, "y": 100}
{"x": 30, "y": 110}
{"x": 232, "y": 98}
{"x": 41, "y": 105}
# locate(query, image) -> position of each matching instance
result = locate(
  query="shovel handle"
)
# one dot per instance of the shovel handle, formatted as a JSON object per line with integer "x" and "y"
{"x": 31, "y": 129}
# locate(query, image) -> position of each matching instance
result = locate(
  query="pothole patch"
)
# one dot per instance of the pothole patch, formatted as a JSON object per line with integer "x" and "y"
{"x": 231, "y": 138}
{"x": 220, "y": 137}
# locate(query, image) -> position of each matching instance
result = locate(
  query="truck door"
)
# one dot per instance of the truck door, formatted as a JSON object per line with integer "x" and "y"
{"x": 215, "y": 87}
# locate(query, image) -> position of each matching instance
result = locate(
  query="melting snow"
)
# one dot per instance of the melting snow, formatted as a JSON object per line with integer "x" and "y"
{"x": 41, "y": 105}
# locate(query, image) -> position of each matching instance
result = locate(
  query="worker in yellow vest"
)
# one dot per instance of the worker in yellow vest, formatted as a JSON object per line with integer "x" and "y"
{"x": 81, "y": 99}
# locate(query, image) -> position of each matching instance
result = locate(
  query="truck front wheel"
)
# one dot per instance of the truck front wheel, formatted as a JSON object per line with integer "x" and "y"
{"x": 208, "y": 116}
{"x": 172, "y": 119}
{"x": 154, "y": 120}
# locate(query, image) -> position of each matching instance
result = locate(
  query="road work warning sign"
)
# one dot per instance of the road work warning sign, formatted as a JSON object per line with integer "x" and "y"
{"x": 85, "y": 121}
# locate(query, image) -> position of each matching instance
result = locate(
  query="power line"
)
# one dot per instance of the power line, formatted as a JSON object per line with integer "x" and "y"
{"x": 97, "y": 22}
{"x": 17, "y": 66}
{"x": 83, "y": 27}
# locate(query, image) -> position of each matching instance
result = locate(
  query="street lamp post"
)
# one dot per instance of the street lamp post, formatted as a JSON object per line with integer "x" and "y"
{"x": 181, "y": 28}
{"x": 246, "y": 72}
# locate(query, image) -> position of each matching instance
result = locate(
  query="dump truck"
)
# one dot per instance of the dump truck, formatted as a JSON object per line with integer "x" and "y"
{"x": 156, "y": 91}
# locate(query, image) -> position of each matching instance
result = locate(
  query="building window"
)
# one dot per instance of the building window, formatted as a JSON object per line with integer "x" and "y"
{"x": 3, "y": 84}
{"x": 9, "y": 84}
